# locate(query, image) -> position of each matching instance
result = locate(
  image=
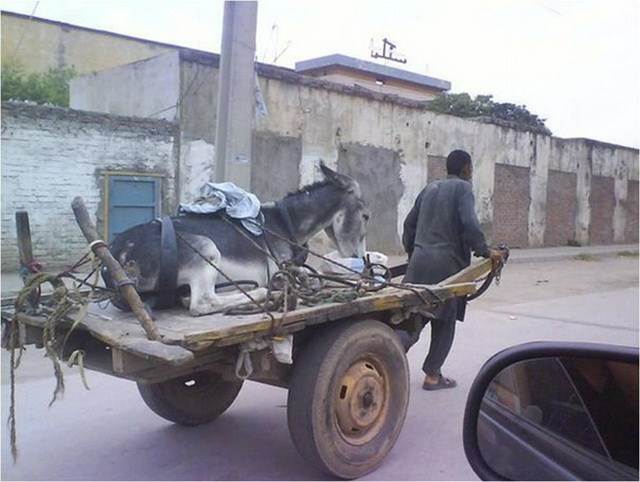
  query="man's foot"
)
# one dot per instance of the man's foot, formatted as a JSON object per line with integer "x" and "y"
{"x": 438, "y": 382}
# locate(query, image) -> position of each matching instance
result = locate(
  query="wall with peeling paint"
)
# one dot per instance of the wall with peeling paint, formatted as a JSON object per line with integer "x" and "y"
{"x": 396, "y": 146}
{"x": 273, "y": 153}
{"x": 327, "y": 120}
{"x": 369, "y": 166}
{"x": 50, "y": 155}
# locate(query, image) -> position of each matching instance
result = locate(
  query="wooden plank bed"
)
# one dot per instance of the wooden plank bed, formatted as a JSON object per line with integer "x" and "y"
{"x": 179, "y": 329}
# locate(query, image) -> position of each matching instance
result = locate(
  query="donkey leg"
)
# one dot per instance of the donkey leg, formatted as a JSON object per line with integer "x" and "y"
{"x": 201, "y": 278}
{"x": 213, "y": 303}
{"x": 223, "y": 302}
{"x": 199, "y": 275}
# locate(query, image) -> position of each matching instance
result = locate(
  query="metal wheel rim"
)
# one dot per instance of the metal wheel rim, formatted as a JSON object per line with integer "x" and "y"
{"x": 362, "y": 401}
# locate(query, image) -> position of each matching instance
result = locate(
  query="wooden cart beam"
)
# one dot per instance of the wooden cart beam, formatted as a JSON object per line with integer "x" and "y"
{"x": 125, "y": 285}
{"x": 470, "y": 273}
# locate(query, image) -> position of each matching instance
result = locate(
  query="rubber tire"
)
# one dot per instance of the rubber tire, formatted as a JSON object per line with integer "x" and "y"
{"x": 193, "y": 405}
{"x": 316, "y": 375}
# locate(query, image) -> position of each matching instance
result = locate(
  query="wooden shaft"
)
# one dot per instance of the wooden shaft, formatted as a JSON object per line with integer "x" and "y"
{"x": 24, "y": 238}
{"x": 470, "y": 273}
{"x": 25, "y": 251}
{"x": 115, "y": 270}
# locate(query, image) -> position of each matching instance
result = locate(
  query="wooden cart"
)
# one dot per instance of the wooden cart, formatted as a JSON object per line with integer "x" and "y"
{"x": 348, "y": 379}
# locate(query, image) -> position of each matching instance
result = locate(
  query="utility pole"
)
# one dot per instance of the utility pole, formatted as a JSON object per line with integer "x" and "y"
{"x": 236, "y": 93}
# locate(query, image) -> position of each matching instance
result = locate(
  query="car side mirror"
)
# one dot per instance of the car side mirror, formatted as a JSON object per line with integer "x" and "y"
{"x": 555, "y": 411}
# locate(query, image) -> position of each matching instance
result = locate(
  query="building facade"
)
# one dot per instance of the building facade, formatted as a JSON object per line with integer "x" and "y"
{"x": 372, "y": 76}
{"x": 39, "y": 44}
{"x": 531, "y": 189}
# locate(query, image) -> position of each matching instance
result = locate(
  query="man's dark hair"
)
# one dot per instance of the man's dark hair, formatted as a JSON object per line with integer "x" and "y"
{"x": 456, "y": 160}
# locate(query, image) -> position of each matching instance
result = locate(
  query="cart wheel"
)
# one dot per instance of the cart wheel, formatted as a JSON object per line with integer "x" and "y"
{"x": 190, "y": 400}
{"x": 348, "y": 398}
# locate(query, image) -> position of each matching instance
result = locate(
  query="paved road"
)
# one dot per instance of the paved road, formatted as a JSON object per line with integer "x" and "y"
{"x": 109, "y": 434}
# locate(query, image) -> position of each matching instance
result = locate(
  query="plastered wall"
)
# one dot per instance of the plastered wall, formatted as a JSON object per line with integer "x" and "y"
{"x": 396, "y": 146}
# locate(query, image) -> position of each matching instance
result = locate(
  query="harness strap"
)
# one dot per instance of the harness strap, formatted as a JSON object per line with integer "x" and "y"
{"x": 168, "y": 275}
{"x": 299, "y": 252}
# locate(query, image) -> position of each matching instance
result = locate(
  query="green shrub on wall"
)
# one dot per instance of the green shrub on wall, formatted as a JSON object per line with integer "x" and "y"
{"x": 463, "y": 105}
{"x": 51, "y": 87}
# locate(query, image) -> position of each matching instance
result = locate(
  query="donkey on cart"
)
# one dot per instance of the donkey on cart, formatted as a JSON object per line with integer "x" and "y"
{"x": 208, "y": 245}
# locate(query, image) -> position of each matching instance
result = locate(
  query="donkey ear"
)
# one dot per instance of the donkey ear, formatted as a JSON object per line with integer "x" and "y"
{"x": 328, "y": 172}
{"x": 337, "y": 179}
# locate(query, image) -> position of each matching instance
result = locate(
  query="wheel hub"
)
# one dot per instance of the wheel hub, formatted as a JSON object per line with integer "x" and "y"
{"x": 361, "y": 402}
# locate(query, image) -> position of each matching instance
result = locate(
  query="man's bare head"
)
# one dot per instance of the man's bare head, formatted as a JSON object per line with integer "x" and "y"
{"x": 459, "y": 164}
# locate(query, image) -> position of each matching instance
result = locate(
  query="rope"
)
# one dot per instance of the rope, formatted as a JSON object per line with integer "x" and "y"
{"x": 63, "y": 302}
{"x": 295, "y": 285}
{"x": 244, "y": 366}
{"x": 98, "y": 243}
{"x": 360, "y": 275}
{"x": 242, "y": 232}
{"x": 77, "y": 358}
{"x": 11, "y": 421}
{"x": 291, "y": 282}
{"x": 295, "y": 282}
{"x": 235, "y": 284}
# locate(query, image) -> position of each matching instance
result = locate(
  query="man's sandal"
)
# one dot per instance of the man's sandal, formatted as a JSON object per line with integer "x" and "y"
{"x": 443, "y": 382}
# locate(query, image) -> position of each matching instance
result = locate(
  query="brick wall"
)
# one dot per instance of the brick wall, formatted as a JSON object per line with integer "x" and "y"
{"x": 436, "y": 168}
{"x": 602, "y": 202}
{"x": 631, "y": 227}
{"x": 50, "y": 155}
{"x": 511, "y": 205}
{"x": 561, "y": 208}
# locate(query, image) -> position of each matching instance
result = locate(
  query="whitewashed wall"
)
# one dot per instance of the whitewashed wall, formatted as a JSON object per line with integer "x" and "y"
{"x": 50, "y": 155}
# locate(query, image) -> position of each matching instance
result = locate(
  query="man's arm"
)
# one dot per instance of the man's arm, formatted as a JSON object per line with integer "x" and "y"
{"x": 410, "y": 226}
{"x": 473, "y": 235}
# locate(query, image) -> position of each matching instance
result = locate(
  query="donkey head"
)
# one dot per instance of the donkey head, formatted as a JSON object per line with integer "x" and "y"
{"x": 348, "y": 227}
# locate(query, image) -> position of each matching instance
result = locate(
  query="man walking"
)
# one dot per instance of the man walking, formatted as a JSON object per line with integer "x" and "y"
{"x": 439, "y": 234}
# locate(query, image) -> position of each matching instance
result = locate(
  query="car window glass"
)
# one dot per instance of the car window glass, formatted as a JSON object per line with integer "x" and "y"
{"x": 540, "y": 391}
{"x": 609, "y": 390}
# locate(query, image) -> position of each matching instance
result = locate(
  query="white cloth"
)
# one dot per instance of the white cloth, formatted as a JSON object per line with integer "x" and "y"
{"x": 356, "y": 264}
{"x": 236, "y": 202}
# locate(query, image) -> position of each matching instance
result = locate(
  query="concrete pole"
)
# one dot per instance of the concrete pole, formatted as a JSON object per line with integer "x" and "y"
{"x": 236, "y": 94}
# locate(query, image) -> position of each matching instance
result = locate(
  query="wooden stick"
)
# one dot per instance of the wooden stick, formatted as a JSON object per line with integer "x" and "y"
{"x": 115, "y": 270}
{"x": 25, "y": 251}
{"x": 24, "y": 238}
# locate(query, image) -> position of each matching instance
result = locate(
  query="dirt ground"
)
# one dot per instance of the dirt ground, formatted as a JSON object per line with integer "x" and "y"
{"x": 523, "y": 282}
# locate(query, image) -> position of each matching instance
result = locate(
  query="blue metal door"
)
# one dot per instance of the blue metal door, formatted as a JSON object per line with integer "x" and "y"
{"x": 132, "y": 200}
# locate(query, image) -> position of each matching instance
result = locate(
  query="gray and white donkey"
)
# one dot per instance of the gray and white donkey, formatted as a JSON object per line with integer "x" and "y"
{"x": 334, "y": 204}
